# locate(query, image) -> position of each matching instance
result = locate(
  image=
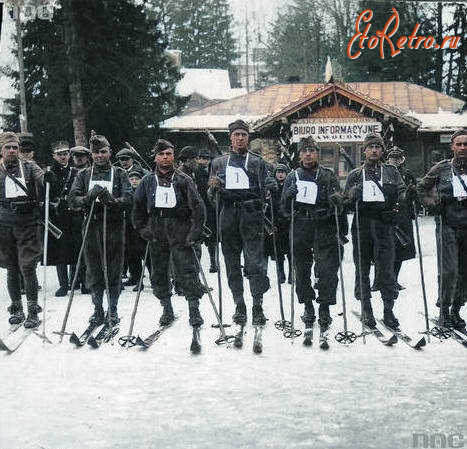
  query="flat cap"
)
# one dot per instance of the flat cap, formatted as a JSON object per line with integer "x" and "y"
{"x": 136, "y": 171}
{"x": 60, "y": 145}
{"x": 26, "y": 143}
{"x": 373, "y": 138}
{"x": 8, "y": 137}
{"x": 125, "y": 152}
{"x": 239, "y": 124}
{"x": 80, "y": 150}
{"x": 281, "y": 167}
{"x": 205, "y": 153}
{"x": 307, "y": 143}
{"x": 460, "y": 132}
{"x": 187, "y": 153}
{"x": 98, "y": 141}
{"x": 161, "y": 145}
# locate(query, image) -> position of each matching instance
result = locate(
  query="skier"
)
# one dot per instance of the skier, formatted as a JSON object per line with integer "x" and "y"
{"x": 443, "y": 191}
{"x": 63, "y": 251}
{"x": 314, "y": 189}
{"x": 376, "y": 189}
{"x": 239, "y": 181}
{"x": 21, "y": 186}
{"x": 168, "y": 212}
{"x": 107, "y": 187}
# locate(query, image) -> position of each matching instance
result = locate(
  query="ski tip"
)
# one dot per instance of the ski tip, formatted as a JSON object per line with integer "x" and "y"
{"x": 257, "y": 349}
{"x": 93, "y": 343}
{"x": 324, "y": 346}
{"x": 307, "y": 342}
{"x": 392, "y": 341}
{"x": 420, "y": 343}
{"x": 195, "y": 348}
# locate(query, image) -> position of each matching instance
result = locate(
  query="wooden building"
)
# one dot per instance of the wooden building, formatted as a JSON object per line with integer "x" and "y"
{"x": 337, "y": 115}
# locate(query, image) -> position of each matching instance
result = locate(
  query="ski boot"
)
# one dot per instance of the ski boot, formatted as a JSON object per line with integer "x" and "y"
{"x": 368, "y": 317}
{"x": 16, "y": 314}
{"x": 167, "y": 316}
{"x": 308, "y": 316}
{"x": 388, "y": 315}
{"x": 239, "y": 317}
{"x": 324, "y": 319}
{"x": 62, "y": 291}
{"x": 97, "y": 318}
{"x": 33, "y": 320}
{"x": 196, "y": 320}
{"x": 112, "y": 317}
{"x": 456, "y": 320}
{"x": 258, "y": 315}
{"x": 444, "y": 316}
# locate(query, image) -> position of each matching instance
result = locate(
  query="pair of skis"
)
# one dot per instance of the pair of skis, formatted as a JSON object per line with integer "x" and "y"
{"x": 257, "y": 339}
{"x": 104, "y": 335}
{"x": 17, "y": 335}
{"x": 443, "y": 333}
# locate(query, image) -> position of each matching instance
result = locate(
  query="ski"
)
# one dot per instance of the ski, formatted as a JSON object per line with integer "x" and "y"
{"x": 84, "y": 337}
{"x": 14, "y": 340}
{"x": 257, "y": 341}
{"x": 323, "y": 338}
{"x": 195, "y": 346}
{"x": 238, "y": 341}
{"x": 308, "y": 337}
{"x": 405, "y": 338}
{"x": 14, "y": 327}
{"x": 377, "y": 333}
{"x": 103, "y": 336}
{"x": 446, "y": 332}
{"x": 150, "y": 339}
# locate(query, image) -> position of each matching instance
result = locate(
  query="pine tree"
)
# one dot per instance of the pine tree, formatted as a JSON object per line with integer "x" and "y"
{"x": 125, "y": 79}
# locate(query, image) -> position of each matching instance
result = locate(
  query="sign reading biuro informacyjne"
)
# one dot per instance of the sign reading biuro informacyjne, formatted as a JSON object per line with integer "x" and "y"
{"x": 325, "y": 130}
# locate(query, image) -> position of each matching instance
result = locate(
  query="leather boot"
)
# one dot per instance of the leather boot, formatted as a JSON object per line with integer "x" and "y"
{"x": 196, "y": 320}
{"x": 258, "y": 314}
{"x": 388, "y": 315}
{"x": 239, "y": 317}
{"x": 456, "y": 320}
{"x": 97, "y": 318}
{"x": 368, "y": 317}
{"x": 167, "y": 316}
{"x": 308, "y": 316}
{"x": 325, "y": 319}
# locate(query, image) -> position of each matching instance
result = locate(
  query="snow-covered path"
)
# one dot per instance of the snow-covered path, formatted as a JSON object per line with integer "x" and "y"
{"x": 358, "y": 396}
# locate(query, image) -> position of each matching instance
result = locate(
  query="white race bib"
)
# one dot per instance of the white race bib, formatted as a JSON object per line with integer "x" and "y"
{"x": 371, "y": 192}
{"x": 307, "y": 192}
{"x": 458, "y": 190}
{"x": 13, "y": 190}
{"x": 236, "y": 178}
{"x": 165, "y": 197}
{"x": 103, "y": 183}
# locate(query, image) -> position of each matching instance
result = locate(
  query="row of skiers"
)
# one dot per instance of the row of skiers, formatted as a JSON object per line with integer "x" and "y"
{"x": 166, "y": 210}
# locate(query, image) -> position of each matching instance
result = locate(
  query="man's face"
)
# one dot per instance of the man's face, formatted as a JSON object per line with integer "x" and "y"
{"x": 165, "y": 159}
{"x": 309, "y": 157}
{"x": 459, "y": 147}
{"x": 62, "y": 157}
{"x": 373, "y": 152}
{"x": 10, "y": 152}
{"x": 80, "y": 160}
{"x": 134, "y": 181}
{"x": 191, "y": 164}
{"x": 395, "y": 160}
{"x": 126, "y": 162}
{"x": 203, "y": 161}
{"x": 101, "y": 156}
{"x": 239, "y": 139}
{"x": 26, "y": 155}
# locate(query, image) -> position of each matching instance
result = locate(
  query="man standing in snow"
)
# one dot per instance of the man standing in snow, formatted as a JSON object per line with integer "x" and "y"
{"x": 239, "y": 180}
{"x": 443, "y": 191}
{"x": 107, "y": 187}
{"x": 314, "y": 232}
{"x": 169, "y": 214}
{"x": 21, "y": 186}
{"x": 376, "y": 189}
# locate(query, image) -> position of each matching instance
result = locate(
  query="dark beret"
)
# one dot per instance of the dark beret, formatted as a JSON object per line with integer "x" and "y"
{"x": 27, "y": 143}
{"x": 97, "y": 142}
{"x": 373, "y": 139}
{"x": 125, "y": 152}
{"x": 460, "y": 132}
{"x": 239, "y": 124}
{"x": 187, "y": 153}
{"x": 307, "y": 143}
{"x": 161, "y": 145}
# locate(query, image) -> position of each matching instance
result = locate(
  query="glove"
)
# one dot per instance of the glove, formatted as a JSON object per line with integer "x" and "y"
{"x": 94, "y": 193}
{"x": 145, "y": 233}
{"x": 270, "y": 183}
{"x": 216, "y": 183}
{"x": 49, "y": 177}
{"x": 356, "y": 193}
{"x": 337, "y": 200}
{"x": 105, "y": 197}
{"x": 291, "y": 191}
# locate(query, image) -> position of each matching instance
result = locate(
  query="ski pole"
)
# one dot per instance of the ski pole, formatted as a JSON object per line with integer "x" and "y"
{"x": 282, "y": 324}
{"x": 360, "y": 277}
{"x": 44, "y": 258}
{"x": 129, "y": 340}
{"x": 223, "y": 338}
{"x": 291, "y": 332}
{"x": 345, "y": 336}
{"x": 75, "y": 277}
{"x": 106, "y": 271}
{"x": 219, "y": 280}
{"x": 139, "y": 155}
{"x": 422, "y": 275}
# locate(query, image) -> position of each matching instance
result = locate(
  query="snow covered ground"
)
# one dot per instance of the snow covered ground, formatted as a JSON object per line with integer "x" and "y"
{"x": 358, "y": 396}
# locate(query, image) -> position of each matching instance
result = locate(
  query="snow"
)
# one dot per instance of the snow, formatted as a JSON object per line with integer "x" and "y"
{"x": 446, "y": 121}
{"x": 364, "y": 396}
